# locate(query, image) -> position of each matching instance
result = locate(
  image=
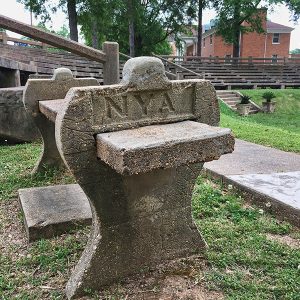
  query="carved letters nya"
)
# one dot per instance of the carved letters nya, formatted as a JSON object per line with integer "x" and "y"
{"x": 136, "y": 105}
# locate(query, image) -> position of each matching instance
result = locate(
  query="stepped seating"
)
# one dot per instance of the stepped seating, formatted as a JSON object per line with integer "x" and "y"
{"x": 232, "y": 98}
{"x": 230, "y": 76}
{"x": 45, "y": 61}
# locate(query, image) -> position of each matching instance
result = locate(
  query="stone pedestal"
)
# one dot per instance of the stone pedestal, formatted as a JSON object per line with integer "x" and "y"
{"x": 139, "y": 221}
{"x": 136, "y": 149}
{"x": 142, "y": 200}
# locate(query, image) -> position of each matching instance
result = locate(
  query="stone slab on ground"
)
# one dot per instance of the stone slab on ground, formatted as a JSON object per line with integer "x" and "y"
{"x": 50, "y": 211}
{"x": 284, "y": 187}
{"x": 266, "y": 176}
{"x": 250, "y": 158}
{"x": 277, "y": 192}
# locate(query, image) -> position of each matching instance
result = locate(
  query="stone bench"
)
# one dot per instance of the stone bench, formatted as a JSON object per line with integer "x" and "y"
{"x": 48, "y": 89}
{"x": 136, "y": 149}
{"x": 15, "y": 124}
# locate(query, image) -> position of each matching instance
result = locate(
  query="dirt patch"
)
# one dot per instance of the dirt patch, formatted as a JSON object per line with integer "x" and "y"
{"x": 178, "y": 279}
{"x": 12, "y": 232}
{"x": 285, "y": 240}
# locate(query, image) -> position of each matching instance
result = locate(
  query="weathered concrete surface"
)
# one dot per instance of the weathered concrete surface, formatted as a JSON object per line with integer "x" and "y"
{"x": 48, "y": 89}
{"x": 138, "y": 220}
{"x": 250, "y": 158}
{"x": 266, "y": 176}
{"x": 146, "y": 148}
{"x": 50, "y": 211}
{"x": 284, "y": 187}
{"x": 15, "y": 124}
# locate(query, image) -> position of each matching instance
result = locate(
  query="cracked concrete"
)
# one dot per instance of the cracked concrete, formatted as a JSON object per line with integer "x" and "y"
{"x": 267, "y": 176}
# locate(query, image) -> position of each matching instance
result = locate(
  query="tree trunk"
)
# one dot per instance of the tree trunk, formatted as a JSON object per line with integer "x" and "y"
{"x": 199, "y": 43}
{"x": 72, "y": 14}
{"x": 95, "y": 39}
{"x": 236, "y": 44}
{"x": 236, "y": 30}
{"x": 131, "y": 39}
{"x": 131, "y": 28}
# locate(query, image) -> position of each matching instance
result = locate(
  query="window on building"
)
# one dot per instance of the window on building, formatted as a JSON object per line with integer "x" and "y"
{"x": 210, "y": 39}
{"x": 204, "y": 43}
{"x": 276, "y": 38}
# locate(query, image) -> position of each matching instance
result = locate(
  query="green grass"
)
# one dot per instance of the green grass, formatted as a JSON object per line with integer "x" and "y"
{"x": 242, "y": 262}
{"x": 280, "y": 130}
{"x": 16, "y": 163}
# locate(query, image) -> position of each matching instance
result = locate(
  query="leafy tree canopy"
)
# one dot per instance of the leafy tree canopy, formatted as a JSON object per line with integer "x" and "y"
{"x": 295, "y": 51}
{"x": 101, "y": 20}
{"x": 153, "y": 22}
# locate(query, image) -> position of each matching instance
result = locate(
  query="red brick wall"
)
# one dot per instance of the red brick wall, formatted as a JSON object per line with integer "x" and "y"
{"x": 252, "y": 44}
{"x": 218, "y": 47}
{"x": 208, "y": 49}
{"x": 221, "y": 49}
{"x": 281, "y": 49}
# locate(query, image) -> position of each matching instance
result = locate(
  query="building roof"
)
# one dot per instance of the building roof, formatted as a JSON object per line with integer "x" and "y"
{"x": 277, "y": 28}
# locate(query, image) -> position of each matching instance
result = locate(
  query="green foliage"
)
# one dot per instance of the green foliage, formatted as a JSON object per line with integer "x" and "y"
{"x": 268, "y": 96}
{"x": 244, "y": 263}
{"x": 40, "y": 8}
{"x": 102, "y": 20}
{"x": 153, "y": 22}
{"x": 279, "y": 130}
{"x": 295, "y": 51}
{"x": 231, "y": 17}
{"x": 245, "y": 99}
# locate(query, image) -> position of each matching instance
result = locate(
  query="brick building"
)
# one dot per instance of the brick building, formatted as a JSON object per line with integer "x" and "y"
{"x": 274, "y": 42}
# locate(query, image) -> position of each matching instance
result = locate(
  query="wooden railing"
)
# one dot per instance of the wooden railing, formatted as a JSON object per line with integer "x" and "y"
{"x": 233, "y": 60}
{"x": 5, "y": 38}
{"x": 178, "y": 67}
{"x": 109, "y": 55}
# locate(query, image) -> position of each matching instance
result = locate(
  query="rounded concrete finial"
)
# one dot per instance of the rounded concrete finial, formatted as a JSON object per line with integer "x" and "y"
{"x": 62, "y": 74}
{"x": 144, "y": 72}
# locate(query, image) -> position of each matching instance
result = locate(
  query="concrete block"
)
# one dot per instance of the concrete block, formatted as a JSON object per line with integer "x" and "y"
{"x": 50, "y": 211}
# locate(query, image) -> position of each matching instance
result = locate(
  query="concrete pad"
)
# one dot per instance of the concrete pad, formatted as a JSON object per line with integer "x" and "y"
{"x": 250, "y": 158}
{"x": 266, "y": 176}
{"x": 283, "y": 187}
{"x": 50, "y": 211}
{"x": 276, "y": 193}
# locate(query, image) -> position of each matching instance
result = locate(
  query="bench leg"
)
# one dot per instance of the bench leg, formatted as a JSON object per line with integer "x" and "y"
{"x": 138, "y": 221}
{"x": 50, "y": 157}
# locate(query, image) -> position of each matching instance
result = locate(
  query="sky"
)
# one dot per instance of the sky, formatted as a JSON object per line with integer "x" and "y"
{"x": 15, "y": 10}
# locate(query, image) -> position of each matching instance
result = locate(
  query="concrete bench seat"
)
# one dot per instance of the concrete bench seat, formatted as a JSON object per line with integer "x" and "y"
{"x": 50, "y": 108}
{"x": 135, "y": 149}
{"x": 160, "y": 146}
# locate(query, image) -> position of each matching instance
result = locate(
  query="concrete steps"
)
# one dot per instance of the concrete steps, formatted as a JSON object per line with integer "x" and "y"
{"x": 231, "y": 99}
